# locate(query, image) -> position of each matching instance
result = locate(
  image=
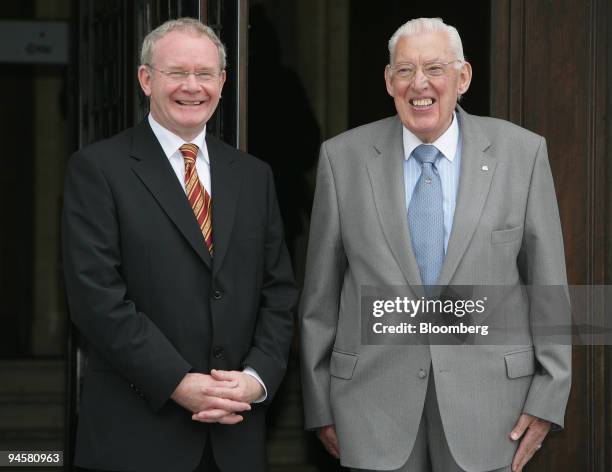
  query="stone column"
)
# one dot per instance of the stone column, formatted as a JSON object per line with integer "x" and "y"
{"x": 51, "y": 153}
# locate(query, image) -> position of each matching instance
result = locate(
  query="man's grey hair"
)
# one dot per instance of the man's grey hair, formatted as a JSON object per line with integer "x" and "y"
{"x": 189, "y": 25}
{"x": 428, "y": 25}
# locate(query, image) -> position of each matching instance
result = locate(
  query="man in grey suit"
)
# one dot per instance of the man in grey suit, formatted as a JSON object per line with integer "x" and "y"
{"x": 432, "y": 196}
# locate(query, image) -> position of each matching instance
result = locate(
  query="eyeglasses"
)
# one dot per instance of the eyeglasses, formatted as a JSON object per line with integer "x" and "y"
{"x": 407, "y": 70}
{"x": 201, "y": 76}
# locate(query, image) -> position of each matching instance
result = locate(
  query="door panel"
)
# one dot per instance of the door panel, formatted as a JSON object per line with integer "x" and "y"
{"x": 548, "y": 74}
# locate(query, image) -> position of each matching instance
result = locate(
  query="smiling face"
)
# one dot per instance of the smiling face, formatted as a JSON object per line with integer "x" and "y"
{"x": 425, "y": 105}
{"x": 182, "y": 106}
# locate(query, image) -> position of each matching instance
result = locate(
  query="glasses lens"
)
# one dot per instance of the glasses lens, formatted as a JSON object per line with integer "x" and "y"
{"x": 434, "y": 70}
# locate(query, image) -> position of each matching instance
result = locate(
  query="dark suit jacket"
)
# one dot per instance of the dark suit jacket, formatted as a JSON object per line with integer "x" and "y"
{"x": 151, "y": 303}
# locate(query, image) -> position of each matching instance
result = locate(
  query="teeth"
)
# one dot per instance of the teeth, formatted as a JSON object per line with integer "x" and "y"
{"x": 184, "y": 102}
{"x": 422, "y": 102}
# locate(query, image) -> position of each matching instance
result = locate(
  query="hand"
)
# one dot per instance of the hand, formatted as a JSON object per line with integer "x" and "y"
{"x": 235, "y": 385}
{"x": 232, "y": 386}
{"x": 327, "y": 435}
{"x": 190, "y": 394}
{"x": 537, "y": 429}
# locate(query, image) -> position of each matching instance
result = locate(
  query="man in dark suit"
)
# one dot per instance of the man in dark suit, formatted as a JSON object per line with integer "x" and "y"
{"x": 177, "y": 276}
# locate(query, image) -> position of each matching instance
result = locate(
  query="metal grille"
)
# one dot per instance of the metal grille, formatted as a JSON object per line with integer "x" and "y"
{"x": 110, "y": 35}
{"x": 212, "y": 17}
{"x": 104, "y": 79}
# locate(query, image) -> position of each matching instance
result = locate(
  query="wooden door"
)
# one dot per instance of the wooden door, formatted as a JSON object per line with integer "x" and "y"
{"x": 548, "y": 74}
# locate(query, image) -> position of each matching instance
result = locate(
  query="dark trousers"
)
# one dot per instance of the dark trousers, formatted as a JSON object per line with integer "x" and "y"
{"x": 207, "y": 463}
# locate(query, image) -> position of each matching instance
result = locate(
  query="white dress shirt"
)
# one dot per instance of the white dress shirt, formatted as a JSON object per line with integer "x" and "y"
{"x": 170, "y": 144}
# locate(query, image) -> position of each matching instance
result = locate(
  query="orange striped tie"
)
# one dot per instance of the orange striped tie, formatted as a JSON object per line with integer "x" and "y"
{"x": 197, "y": 194}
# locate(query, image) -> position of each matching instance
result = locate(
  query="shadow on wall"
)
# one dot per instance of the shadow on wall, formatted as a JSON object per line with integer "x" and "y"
{"x": 282, "y": 129}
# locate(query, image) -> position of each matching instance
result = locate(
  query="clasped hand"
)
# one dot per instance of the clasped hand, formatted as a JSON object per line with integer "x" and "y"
{"x": 219, "y": 397}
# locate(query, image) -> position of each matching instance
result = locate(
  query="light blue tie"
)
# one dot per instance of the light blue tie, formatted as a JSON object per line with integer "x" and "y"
{"x": 426, "y": 216}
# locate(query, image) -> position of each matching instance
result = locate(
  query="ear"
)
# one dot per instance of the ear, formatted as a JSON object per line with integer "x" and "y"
{"x": 222, "y": 78}
{"x": 389, "y": 80}
{"x": 144, "y": 77}
{"x": 465, "y": 78}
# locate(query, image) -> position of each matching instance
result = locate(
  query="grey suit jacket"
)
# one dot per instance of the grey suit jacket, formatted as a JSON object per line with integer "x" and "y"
{"x": 506, "y": 232}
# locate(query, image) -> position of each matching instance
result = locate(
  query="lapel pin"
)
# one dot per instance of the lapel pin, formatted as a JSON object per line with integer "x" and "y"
{"x": 484, "y": 168}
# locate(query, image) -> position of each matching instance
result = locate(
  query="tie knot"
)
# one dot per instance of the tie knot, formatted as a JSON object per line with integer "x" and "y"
{"x": 425, "y": 153}
{"x": 189, "y": 152}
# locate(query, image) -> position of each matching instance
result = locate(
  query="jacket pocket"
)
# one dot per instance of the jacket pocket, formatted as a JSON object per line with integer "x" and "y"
{"x": 520, "y": 364}
{"x": 506, "y": 235}
{"x": 342, "y": 364}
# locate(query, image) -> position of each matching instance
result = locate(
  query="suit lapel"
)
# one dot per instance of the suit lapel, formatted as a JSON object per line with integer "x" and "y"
{"x": 385, "y": 168}
{"x": 225, "y": 180}
{"x": 155, "y": 172}
{"x": 477, "y": 170}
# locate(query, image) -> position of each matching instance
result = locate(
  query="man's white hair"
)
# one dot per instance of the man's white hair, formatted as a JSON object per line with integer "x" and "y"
{"x": 428, "y": 25}
{"x": 189, "y": 25}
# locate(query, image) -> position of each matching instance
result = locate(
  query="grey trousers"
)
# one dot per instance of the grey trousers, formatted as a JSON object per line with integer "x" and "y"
{"x": 431, "y": 452}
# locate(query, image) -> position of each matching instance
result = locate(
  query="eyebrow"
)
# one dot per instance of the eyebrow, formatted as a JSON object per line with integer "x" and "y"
{"x": 407, "y": 61}
{"x": 188, "y": 67}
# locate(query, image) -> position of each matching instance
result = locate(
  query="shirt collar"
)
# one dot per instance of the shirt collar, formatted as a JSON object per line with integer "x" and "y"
{"x": 171, "y": 143}
{"x": 446, "y": 144}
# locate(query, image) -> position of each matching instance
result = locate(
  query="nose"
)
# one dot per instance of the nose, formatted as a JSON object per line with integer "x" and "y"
{"x": 191, "y": 83}
{"x": 420, "y": 80}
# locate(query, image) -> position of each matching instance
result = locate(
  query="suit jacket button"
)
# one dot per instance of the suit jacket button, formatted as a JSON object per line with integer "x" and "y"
{"x": 132, "y": 385}
{"x": 422, "y": 374}
{"x": 217, "y": 294}
{"x": 218, "y": 352}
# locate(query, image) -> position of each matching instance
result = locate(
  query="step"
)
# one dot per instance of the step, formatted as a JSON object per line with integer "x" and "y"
{"x": 32, "y": 404}
{"x": 32, "y": 377}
